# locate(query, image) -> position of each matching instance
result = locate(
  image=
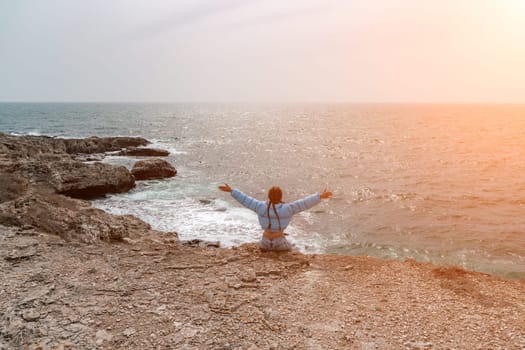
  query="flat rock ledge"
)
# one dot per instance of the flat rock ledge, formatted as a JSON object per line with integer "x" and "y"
{"x": 152, "y": 292}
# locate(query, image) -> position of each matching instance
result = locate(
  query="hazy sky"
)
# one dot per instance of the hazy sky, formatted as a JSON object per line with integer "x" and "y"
{"x": 263, "y": 50}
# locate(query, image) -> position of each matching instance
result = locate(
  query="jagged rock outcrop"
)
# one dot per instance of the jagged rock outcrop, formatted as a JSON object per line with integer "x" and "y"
{"x": 143, "y": 152}
{"x": 39, "y": 174}
{"x": 102, "y": 144}
{"x": 77, "y": 179}
{"x": 34, "y": 147}
{"x": 71, "y": 219}
{"x": 48, "y": 161}
{"x": 37, "y": 146}
{"x": 150, "y": 169}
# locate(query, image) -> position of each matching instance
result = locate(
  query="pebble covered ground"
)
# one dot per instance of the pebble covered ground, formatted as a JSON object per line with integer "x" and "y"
{"x": 157, "y": 293}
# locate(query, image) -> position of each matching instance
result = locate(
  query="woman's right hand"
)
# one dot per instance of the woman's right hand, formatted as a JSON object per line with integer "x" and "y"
{"x": 225, "y": 188}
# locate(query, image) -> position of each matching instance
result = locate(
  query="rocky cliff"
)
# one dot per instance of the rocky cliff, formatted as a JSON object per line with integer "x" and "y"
{"x": 42, "y": 185}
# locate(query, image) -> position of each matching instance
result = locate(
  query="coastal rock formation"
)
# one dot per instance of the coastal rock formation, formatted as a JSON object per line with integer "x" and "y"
{"x": 52, "y": 162}
{"x": 77, "y": 179}
{"x": 143, "y": 152}
{"x": 31, "y": 147}
{"x": 69, "y": 218}
{"x": 150, "y": 169}
{"x": 102, "y": 144}
{"x": 37, "y": 171}
{"x": 19, "y": 147}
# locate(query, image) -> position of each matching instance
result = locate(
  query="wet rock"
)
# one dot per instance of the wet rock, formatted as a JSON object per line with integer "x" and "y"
{"x": 150, "y": 169}
{"x": 143, "y": 152}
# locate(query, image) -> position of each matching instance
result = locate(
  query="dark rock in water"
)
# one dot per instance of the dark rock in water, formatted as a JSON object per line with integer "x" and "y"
{"x": 150, "y": 169}
{"x": 143, "y": 152}
{"x": 77, "y": 179}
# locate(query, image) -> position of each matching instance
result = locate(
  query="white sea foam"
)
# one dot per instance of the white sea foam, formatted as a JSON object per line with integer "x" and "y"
{"x": 28, "y": 133}
{"x": 190, "y": 218}
{"x": 166, "y": 209}
{"x": 166, "y": 145}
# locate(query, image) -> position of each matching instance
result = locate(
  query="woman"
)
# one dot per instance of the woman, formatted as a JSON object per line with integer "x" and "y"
{"x": 274, "y": 221}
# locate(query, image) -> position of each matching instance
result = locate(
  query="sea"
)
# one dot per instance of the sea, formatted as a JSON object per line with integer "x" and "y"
{"x": 437, "y": 183}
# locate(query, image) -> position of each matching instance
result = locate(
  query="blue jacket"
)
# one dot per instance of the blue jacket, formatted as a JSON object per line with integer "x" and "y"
{"x": 285, "y": 210}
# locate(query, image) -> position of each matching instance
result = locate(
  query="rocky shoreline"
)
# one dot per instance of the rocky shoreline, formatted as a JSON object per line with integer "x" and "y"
{"x": 44, "y": 184}
{"x": 75, "y": 277}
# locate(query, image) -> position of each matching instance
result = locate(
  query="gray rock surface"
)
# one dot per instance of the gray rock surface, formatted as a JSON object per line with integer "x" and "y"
{"x": 160, "y": 294}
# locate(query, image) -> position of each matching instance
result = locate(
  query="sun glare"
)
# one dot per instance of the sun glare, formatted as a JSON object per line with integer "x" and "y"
{"x": 514, "y": 8}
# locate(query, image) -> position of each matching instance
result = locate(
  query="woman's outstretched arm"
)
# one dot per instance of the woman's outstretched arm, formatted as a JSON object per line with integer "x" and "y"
{"x": 247, "y": 201}
{"x": 310, "y": 201}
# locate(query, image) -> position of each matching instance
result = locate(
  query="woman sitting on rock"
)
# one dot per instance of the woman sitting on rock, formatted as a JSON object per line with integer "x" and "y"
{"x": 275, "y": 221}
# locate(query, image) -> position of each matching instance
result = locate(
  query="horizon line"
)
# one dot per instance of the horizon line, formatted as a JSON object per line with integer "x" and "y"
{"x": 282, "y": 102}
